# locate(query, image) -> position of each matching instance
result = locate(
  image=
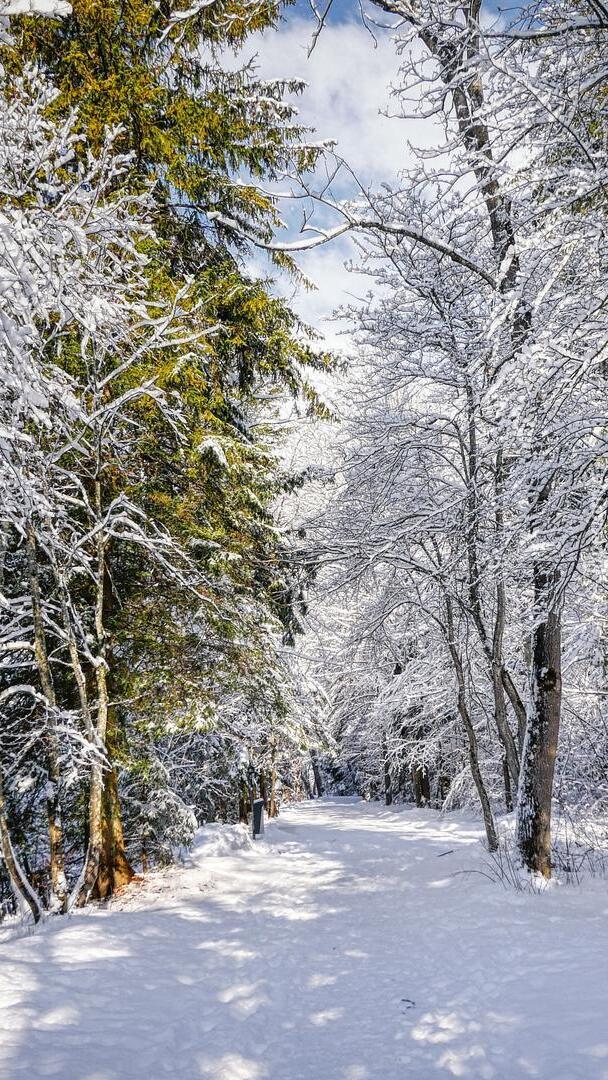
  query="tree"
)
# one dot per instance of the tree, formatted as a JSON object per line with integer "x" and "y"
{"x": 481, "y": 249}
{"x": 170, "y": 459}
{"x": 60, "y": 237}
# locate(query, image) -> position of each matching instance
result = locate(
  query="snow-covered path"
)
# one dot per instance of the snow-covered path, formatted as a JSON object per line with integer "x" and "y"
{"x": 343, "y": 947}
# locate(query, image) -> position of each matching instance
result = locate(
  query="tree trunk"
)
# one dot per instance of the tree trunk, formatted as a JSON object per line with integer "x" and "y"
{"x": 517, "y": 704}
{"x": 263, "y": 789}
{"x": 95, "y": 835}
{"x": 511, "y": 755}
{"x": 59, "y": 887}
{"x": 499, "y": 688}
{"x": 421, "y": 785}
{"x": 506, "y": 775}
{"x": 244, "y": 804}
{"x": 492, "y": 648}
{"x": 317, "y": 773}
{"x": 21, "y": 887}
{"x": 114, "y": 870}
{"x": 306, "y": 784}
{"x": 273, "y": 804}
{"x": 106, "y": 865}
{"x": 542, "y": 735}
{"x": 388, "y": 787}
{"x": 488, "y": 817}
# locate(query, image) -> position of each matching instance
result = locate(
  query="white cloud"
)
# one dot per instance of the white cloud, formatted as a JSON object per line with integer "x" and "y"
{"x": 348, "y": 86}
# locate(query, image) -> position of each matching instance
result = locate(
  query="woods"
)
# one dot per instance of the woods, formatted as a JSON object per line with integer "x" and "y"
{"x": 466, "y": 531}
{"x": 143, "y": 579}
{"x": 194, "y": 613}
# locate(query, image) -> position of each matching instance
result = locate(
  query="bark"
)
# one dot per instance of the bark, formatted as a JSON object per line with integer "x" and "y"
{"x": 77, "y": 669}
{"x": 262, "y": 784}
{"x": 488, "y": 817}
{"x": 492, "y": 648}
{"x": 59, "y": 888}
{"x": 106, "y": 866}
{"x": 114, "y": 870}
{"x": 511, "y": 754}
{"x": 542, "y": 735}
{"x": 273, "y": 802}
{"x": 421, "y": 785}
{"x": 317, "y": 773}
{"x": 443, "y": 786}
{"x": 497, "y": 664}
{"x": 517, "y": 704}
{"x": 507, "y": 782}
{"x": 19, "y": 883}
{"x": 3, "y": 551}
{"x": 502, "y": 681}
{"x": 459, "y": 74}
{"x": 306, "y": 784}
{"x": 96, "y": 789}
{"x": 468, "y": 98}
{"x": 388, "y": 787}
{"x": 95, "y": 834}
{"x": 244, "y": 804}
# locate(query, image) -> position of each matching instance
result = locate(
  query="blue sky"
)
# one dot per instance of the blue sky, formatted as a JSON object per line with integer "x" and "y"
{"x": 348, "y": 85}
{"x": 349, "y": 78}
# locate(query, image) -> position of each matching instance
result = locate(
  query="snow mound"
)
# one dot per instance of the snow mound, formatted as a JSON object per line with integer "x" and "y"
{"x": 220, "y": 839}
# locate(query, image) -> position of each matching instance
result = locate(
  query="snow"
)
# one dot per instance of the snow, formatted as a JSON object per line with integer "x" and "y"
{"x": 346, "y": 945}
{"x": 35, "y": 7}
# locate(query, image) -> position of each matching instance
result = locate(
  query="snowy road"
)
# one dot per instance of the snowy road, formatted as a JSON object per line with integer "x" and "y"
{"x": 343, "y": 947}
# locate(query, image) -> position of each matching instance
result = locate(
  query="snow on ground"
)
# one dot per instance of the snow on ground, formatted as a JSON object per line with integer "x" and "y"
{"x": 345, "y": 946}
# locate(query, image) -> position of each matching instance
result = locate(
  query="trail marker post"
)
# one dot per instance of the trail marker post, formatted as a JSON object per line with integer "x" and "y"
{"x": 258, "y": 818}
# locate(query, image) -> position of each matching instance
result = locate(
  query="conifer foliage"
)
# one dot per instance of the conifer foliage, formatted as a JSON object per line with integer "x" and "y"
{"x": 143, "y": 577}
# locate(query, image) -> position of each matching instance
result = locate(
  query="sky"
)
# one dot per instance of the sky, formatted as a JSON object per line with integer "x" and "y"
{"x": 348, "y": 80}
{"x": 349, "y": 76}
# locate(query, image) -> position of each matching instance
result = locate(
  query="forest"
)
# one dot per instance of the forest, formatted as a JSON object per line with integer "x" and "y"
{"x": 303, "y": 435}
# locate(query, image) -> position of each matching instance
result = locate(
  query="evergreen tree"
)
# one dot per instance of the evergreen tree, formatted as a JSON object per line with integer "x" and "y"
{"x": 196, "y": 139}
